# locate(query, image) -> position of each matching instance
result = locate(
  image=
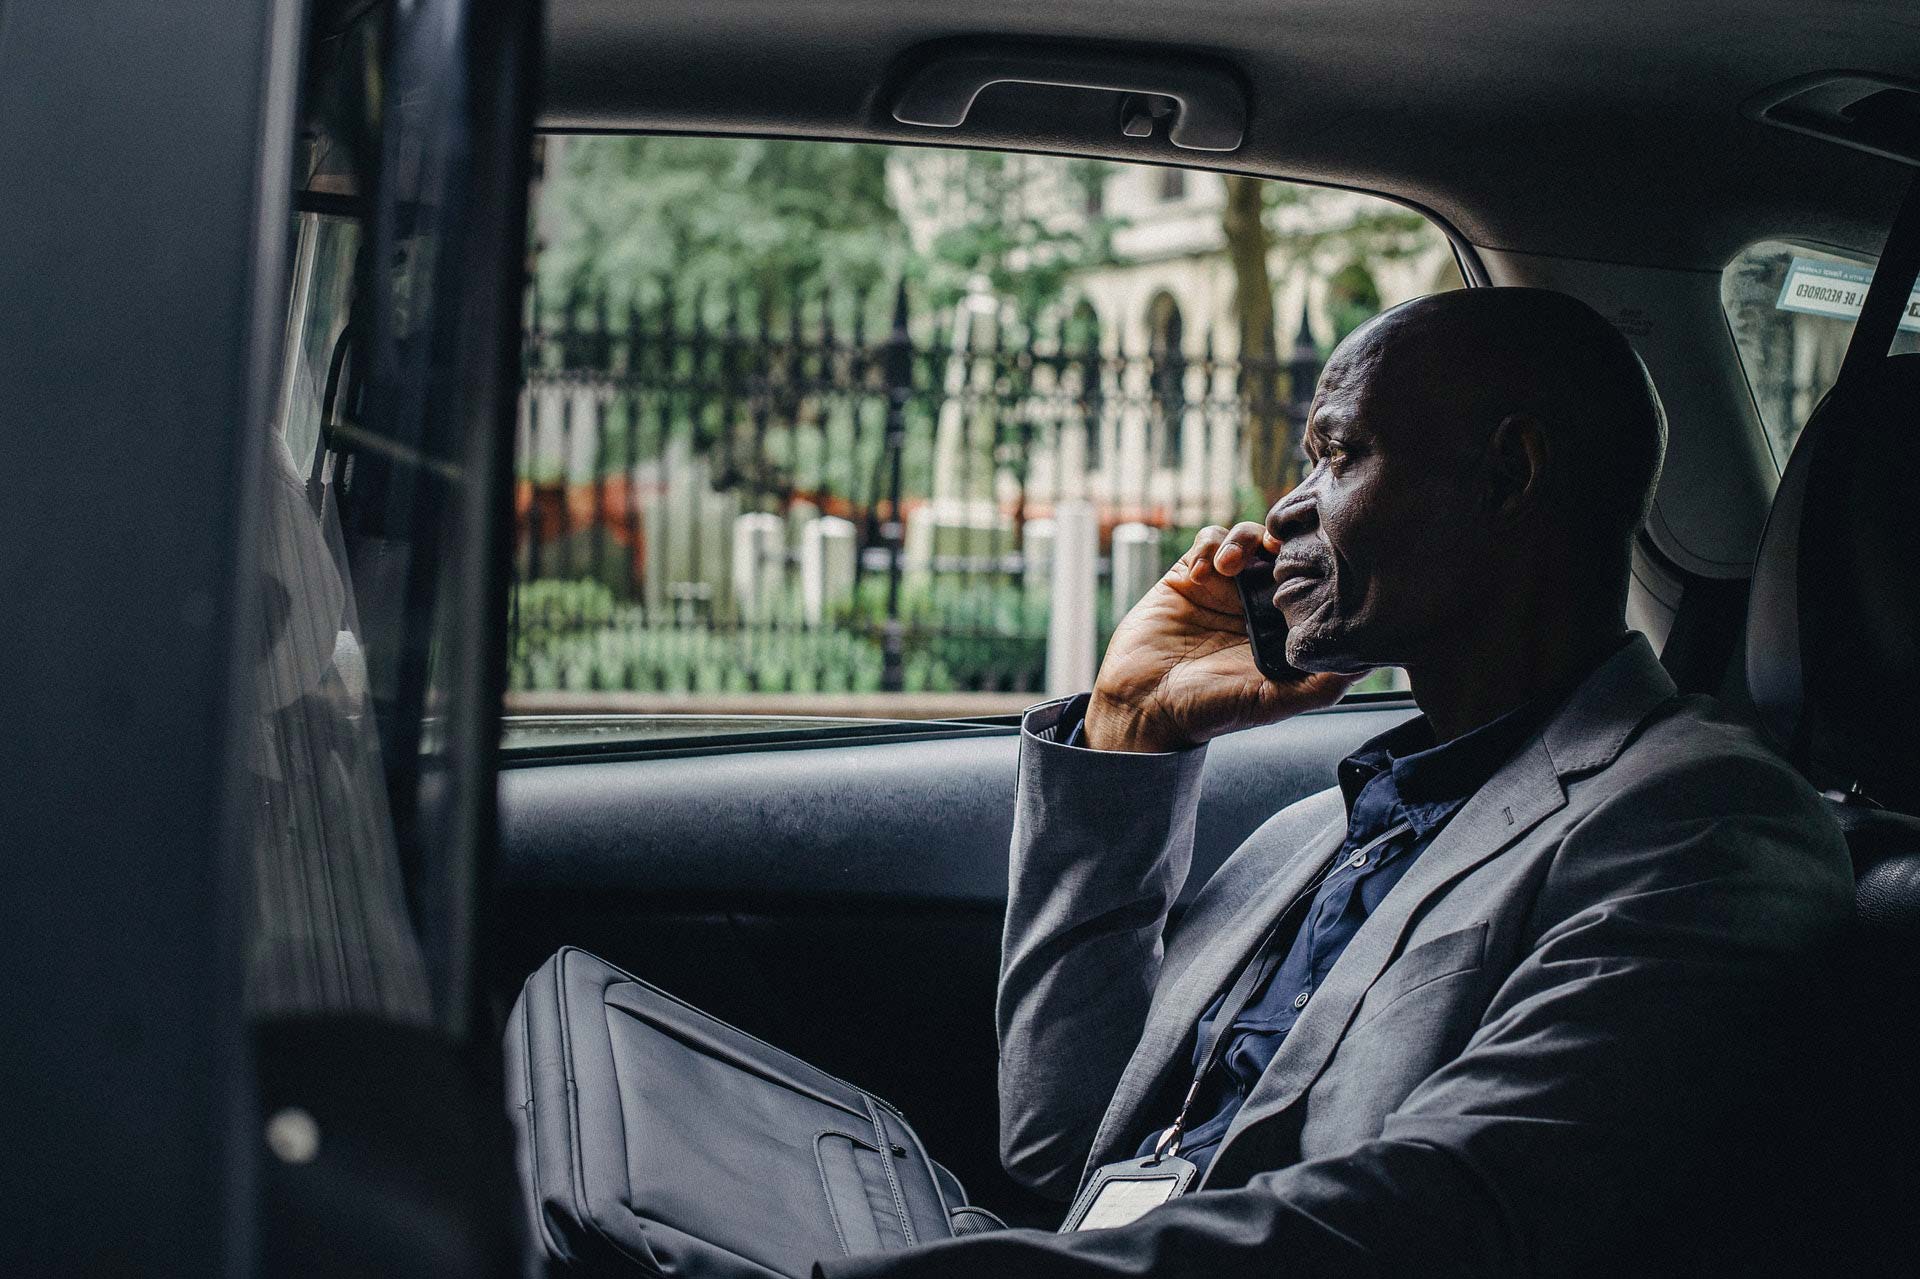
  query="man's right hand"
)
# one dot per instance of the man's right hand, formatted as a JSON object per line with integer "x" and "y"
{"x": 1179, "y": 670}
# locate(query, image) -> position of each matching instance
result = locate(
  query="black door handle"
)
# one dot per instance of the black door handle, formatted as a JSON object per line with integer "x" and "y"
{"x": 1210, "y": 108}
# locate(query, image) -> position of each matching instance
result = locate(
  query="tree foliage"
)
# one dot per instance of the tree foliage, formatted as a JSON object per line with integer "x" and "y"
{"x": 1000, "y": 221}
{"x": 1333, "y": 236}
{"x": 763, "y": 216}
{"x": 1265, "y": 438}
{"x": 778, "y": 218}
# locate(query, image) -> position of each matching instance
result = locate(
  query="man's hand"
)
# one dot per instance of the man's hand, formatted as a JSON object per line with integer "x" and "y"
{"x": 1179, "y": 670}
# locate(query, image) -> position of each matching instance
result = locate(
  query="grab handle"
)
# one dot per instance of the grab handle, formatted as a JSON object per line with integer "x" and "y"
{"x": 1210, "y": 110}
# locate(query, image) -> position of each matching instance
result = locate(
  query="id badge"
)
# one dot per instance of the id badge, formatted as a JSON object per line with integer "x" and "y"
{"x": 1126, "y": 1191}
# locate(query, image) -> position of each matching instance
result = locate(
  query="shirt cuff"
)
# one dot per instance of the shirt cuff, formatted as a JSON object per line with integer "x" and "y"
{"x": 1061, "y": 722}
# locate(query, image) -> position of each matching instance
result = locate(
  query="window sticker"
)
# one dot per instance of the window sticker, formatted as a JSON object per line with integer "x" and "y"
{"x": 1837, "y": 289}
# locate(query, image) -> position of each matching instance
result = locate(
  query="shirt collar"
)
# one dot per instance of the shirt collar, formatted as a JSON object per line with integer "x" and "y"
{"x": 1427, "y": 782}
{"x": 1433, "y": 779}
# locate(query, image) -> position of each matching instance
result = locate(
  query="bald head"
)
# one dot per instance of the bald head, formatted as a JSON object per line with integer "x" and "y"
{"x": 1455, "y": 365}
{"x": 1480, "y": 463}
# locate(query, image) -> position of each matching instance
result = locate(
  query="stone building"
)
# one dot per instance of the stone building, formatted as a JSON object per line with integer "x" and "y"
{"x": 1166, "y": 450}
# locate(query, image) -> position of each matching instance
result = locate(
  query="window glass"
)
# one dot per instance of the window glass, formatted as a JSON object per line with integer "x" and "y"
{"x": 361, "y": 755}
{"x": 331, "y": 931}
{"x": 1792, "y": 310}
{"x": 829, "y": 429}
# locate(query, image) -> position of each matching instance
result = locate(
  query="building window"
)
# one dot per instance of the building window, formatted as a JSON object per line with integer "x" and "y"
{"x": 1353, "y": 298}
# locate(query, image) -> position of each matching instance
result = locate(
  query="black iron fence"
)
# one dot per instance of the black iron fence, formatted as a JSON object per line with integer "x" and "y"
{"x": 838, "y": 494}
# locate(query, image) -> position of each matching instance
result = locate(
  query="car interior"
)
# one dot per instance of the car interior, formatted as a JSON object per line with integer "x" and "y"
{"x": 844, "y": 901}
{"x": 840, "y": 894}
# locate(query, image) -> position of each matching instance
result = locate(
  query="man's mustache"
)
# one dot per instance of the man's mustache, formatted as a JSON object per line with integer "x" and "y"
{"x": 1314, "y": 559}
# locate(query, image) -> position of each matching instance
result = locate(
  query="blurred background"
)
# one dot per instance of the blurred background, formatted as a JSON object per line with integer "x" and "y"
{"x": 848, "y": 430}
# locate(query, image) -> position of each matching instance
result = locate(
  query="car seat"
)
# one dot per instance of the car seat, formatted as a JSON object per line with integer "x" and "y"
{"x": 1833, "y": 666}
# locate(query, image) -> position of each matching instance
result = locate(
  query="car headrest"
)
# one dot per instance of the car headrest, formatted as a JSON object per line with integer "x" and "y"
{"x": 1833, "y": 624}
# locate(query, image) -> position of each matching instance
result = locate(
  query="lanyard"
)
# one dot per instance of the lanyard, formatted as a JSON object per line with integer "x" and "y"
{"x": 1259, "y": 967}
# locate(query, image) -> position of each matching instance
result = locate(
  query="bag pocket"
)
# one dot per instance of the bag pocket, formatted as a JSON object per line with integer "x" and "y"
{"x": 862, "y": 1196}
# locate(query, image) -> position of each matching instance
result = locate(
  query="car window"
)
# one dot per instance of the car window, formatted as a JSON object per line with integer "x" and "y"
{"x": 862, "y": 432}
{"x": 1792, "y": 309}
{"x": 362, "y": 737}
{"x": 330, "y": 930}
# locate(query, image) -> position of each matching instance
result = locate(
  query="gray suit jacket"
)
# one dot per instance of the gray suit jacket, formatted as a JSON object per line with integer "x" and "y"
{"x": 1529, "y": 1057}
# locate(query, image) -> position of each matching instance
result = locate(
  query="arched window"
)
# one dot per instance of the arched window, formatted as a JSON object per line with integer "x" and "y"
{"x": 1352, "y": 299}
{"x": 1080, "y": 345}
{"x": 1167, "y": 365}
{"x": 1080, "y": 334}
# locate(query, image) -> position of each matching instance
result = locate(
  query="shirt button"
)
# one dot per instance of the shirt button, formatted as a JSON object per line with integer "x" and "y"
{"x": 1300, "y": 1000}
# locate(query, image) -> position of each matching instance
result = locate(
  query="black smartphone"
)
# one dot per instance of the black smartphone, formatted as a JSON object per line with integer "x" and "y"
{"x": 1266, "y": 624}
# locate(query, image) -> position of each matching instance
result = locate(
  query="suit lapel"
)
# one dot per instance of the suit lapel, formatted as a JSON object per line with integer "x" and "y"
{"x": 1216, "y": 939}
{"x": 1518, "y": 797}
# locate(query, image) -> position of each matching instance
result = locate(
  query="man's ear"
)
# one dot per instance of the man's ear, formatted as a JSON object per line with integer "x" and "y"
{"x": 1516, "y": 465}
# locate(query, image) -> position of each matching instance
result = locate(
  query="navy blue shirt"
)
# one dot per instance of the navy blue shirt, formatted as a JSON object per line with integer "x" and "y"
{"x": 1400, "y": 779}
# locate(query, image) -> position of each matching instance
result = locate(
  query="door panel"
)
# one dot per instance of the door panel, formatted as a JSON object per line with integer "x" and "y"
{"x": 843, "y": 902}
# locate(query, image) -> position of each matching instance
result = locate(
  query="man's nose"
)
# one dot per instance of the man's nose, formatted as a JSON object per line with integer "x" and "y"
{"x": 1292, "y": 516}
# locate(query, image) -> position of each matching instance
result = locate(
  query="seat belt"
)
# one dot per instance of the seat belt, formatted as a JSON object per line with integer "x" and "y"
{"x": 1887, "y": 295}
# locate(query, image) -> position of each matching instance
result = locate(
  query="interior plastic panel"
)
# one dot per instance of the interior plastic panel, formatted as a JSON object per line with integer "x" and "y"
{"x": 904, "y": 822}
{"x": 1719, "y": 474}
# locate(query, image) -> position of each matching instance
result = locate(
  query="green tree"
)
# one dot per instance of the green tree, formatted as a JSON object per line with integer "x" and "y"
{"x": 776, "y": 217}
{"x": 996, "y": 222}
{"x": 767, "y": 216}
{"x": 1264, "y": 431}
{"x": 1330, "y": 233}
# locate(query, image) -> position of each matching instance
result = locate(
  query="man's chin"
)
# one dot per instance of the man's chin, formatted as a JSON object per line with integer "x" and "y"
{"x": 1312, "y": 648}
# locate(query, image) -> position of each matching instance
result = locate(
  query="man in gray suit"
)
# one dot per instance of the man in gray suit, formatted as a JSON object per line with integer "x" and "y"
{"x": 1510, "y": 997}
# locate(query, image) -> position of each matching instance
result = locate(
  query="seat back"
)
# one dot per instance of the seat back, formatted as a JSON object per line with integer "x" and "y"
{"x": 1833, "y": 664}
{"x": 1833, "y": 632}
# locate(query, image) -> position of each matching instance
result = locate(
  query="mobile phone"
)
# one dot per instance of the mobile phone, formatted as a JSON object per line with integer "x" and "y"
{"x": 1266, "y": 624}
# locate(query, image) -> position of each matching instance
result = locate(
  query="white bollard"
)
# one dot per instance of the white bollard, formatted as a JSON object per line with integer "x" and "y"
{"x": 759, "y": 564}
{"x": 549, "y": 457}
{"x": 917, "y": 550}
{"x": 1071, "y": 623}
{"x": 800, "y": 513}
{"x": 583, "y": 441}
{"x": 679, "y": 552}
{"x": 826, "y": 566}
{"x": 1036, "y": 554}
{"x": 654, "y": 528}
{"x": 711, "y": 593}
{"x": 1136, "y": 564}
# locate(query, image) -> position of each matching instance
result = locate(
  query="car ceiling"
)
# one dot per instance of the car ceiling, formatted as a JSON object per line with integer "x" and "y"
{"x": 1566, "y": 127}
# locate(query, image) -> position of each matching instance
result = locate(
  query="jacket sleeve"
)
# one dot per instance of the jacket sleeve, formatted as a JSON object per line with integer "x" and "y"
{"x": 1594, "y": 1112}
{"x": 1101, "y": 846}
